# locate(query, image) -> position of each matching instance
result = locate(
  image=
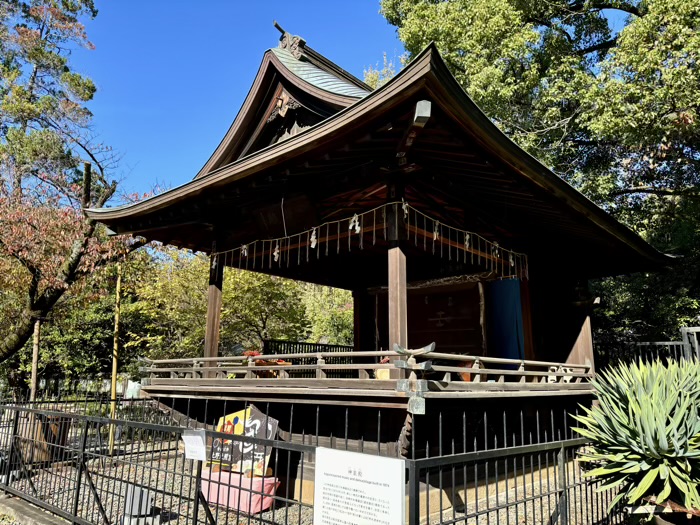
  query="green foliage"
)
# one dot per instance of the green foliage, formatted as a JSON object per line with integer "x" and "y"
{"x": 77, "y": 339}
{"x": 376, "y": 77}
{"x": 615, "y": 113}
{"x": 258, "y": 307}
{"x": 330, "y": 313}
{"x": 163, "y": 315}
{"x": 172, "y": 304}
{"x": 645, "y": 433}
{"x": 486, "y": 43}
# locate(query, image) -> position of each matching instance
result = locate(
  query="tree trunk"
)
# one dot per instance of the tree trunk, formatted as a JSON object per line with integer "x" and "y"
{"x": 13, "y": 342}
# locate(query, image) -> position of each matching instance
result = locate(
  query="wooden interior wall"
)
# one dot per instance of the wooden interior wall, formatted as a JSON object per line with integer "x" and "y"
{"x": 448, "y": 316}
{"x": 364, "y": 306}
{"x": 561, "y": 329}
{"x": 526, "y": 302}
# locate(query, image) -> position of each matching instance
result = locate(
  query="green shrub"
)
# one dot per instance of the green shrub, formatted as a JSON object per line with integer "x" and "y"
{"x": 645, "y": 433}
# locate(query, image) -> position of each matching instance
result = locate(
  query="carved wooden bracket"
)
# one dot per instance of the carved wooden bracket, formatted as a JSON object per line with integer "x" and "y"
{"x": 295, "y": 44}
{"x": 285, "y": 102}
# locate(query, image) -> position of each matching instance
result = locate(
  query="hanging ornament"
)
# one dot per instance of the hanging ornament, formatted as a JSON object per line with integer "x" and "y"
{"x": 359, "y": 229}
{"x": 481, "y": 251}
{"x": 374, "y": 227}
{"x": 313, "y": 238}
{"x": 355, "y": 223}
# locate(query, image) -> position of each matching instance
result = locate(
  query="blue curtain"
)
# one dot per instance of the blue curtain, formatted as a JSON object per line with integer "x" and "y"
{"x": 505, "y": 320}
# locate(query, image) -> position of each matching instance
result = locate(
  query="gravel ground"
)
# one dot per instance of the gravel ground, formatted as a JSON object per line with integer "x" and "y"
{"x": 6, "y": 520}
{"x": 160, "y": 467}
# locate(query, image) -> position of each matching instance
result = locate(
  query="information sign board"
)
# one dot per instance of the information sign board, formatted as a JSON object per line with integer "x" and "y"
{"x": 358, "y": 489}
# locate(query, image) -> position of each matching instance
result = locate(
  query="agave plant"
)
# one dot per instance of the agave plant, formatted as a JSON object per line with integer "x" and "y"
{"x": 645, "y": 433}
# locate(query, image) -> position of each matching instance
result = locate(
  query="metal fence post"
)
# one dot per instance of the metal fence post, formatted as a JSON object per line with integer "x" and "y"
{"x": 81, "y": 463}
{"x": 563, "y": 488}
{"x": 10, "y": 454}
{"x": 413, "y": 493}
{"x": 198, "y": 488}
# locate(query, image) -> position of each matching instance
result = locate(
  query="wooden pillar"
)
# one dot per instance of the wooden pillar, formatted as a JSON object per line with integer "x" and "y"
{"x": 582, "y": 351}
{"x": 398, "y": 318}
{"x": 216, "y": 280}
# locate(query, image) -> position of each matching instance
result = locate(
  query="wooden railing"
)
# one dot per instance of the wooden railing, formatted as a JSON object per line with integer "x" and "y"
{"x": 287, "y": 348}
{"x": 437, "y": 373}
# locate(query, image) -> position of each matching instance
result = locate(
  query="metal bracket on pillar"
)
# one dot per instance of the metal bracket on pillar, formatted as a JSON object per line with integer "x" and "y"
{"x": 416, "y": 389}
{"x": 425, "y": 366}
{"x": 416, "y": 405}
{"x": 412, "y": 386}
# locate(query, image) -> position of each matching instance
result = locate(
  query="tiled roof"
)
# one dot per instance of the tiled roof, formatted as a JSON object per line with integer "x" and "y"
{"x": 317, "y": 76}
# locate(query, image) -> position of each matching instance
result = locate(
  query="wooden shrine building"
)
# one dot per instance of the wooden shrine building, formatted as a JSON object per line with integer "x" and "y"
{"x": 443, "y": 228}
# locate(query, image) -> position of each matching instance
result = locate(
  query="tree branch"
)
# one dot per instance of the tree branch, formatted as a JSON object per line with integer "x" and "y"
{"x": 138, "y": 243}
{"x": 693, "y": 193}
{"x": 31, "y": 268}
{"x": 554, "y": 27}
{"x": 600, "y": 46}
{"x": 626, "y": 7}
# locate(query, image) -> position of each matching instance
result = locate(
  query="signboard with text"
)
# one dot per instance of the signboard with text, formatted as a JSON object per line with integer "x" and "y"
{"x": 358, "y": 489}
{"x": 238, "y": 455}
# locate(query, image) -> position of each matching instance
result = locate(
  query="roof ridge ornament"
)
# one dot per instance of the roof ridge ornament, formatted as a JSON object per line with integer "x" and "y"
{"x": 293, "y": 43}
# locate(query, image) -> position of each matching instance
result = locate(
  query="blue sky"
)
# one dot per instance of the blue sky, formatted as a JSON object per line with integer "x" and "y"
{"x": 171, "y": 75}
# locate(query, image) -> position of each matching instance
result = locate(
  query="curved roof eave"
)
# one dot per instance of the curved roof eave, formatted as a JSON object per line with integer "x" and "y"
{"x": 255, "y": 93}
{"x": 468, "y": 112}
{"x": 429, "y": 70}
{"x": 244, "y": 165}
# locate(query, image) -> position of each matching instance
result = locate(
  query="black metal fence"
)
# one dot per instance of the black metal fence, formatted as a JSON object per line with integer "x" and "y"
{"x": 486, "y": 467}
{"x": 279, "y": 347}
{"x": 686, "y": 348}
{"x": 646, "y": 352}
{"x": 534, "y": 483}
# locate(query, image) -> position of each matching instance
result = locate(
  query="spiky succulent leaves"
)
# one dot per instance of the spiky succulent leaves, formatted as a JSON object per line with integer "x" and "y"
{"x": 645, "y": 433}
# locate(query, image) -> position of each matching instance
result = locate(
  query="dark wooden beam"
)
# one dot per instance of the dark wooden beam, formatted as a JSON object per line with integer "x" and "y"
{"x": 216, "y": 281}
